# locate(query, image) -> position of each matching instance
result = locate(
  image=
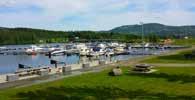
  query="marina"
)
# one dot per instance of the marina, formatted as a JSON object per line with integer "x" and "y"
{"x": 97, "y": 50}
{"x": 83, "y": 49}
{"x": 29, "y": 61}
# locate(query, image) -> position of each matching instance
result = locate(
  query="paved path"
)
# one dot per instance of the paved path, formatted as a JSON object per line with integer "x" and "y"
{"x": 173, "y": 65}
{"x": 133, "y": 61}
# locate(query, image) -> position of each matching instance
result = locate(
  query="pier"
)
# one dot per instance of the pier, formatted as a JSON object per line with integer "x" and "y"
{"x": 30, "y": 73}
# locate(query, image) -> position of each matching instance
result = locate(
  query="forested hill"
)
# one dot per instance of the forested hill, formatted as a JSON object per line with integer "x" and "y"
{"x": 29, "y": 36}
{"x": 159, "y": 29}
{"x": 126, "y": 33}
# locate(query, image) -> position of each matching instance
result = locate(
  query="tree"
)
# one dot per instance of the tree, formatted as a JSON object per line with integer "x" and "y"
{"x": 153, "y": 38}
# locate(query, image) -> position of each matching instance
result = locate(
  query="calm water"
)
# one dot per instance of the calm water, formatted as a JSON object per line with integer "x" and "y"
{"x": 9, "y": 63}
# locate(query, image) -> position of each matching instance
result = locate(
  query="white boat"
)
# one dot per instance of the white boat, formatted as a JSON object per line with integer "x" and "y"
{"x": 2, "y": 50}
{"x": 142, "y": 52}
{"x": 101, "y": 45}
{"x": 46, "y": 49}
{"x": 97, "y": 51}
{"x": 113, "y": 44}
{"x": 119, "y": 50}
{"x": 109, "y": 52}
{"x": 33, "y": 50}
{"x": 58, "y": 52}
{"x": 93, "y": 54}
{"x": 83, "y": 49}
{"x": 12, "y": 50}
{"x": 71, "y": 48}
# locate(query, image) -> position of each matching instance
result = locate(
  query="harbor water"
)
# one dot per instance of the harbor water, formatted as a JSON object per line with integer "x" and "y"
{"x": 9, "y": 63}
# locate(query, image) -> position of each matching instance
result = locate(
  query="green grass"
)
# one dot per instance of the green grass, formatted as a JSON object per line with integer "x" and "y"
{"x": 188, "y": 42}
{"x": 168, "y": 83}
{"x": 174, "y": 58}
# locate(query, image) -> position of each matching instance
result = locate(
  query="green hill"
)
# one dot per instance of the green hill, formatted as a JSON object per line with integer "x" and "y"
{"x": 33, "y": 36}
{"x": 127, "y": 33}
{"x": 159, "y": 29}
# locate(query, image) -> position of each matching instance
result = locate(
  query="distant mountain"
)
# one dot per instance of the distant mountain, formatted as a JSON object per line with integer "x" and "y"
{"x": 159, "y": 29}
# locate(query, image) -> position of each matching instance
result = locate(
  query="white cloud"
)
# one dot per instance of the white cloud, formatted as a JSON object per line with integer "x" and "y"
{"x": 98, "y": 14}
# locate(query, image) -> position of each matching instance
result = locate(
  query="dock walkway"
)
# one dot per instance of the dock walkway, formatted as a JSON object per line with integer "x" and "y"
{"x": 55, "y": 74}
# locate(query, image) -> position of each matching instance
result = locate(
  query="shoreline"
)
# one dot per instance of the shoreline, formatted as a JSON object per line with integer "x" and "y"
{"x": 51, "y": 77}
{"x": 77, "y": 71}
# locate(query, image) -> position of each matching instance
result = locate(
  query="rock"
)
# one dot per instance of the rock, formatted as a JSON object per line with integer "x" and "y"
{"x": 116, "y": 72}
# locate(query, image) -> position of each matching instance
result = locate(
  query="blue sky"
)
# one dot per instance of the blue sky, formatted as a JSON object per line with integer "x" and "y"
{"x": 94, "y": 14}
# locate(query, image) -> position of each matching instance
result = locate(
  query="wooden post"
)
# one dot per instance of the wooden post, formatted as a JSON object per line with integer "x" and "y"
{"x": 49, "y": 55}
{"x": 56, "y": 65}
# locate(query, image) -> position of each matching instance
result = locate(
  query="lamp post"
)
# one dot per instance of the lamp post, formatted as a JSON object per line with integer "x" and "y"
{"x": 142, "y": 26}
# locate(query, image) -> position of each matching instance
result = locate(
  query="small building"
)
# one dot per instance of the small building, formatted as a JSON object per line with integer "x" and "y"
{"x": 43, "y": 72}
{"x": 12, "y": 77}
{"x": 66, "y": 70}
{"x": 85, "y": 66}
{"x": 102, "y": 62}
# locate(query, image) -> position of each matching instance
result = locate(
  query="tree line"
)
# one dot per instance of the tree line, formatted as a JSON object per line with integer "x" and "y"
{"x": 30, "y": 36}
{"x": 35, "y": 36}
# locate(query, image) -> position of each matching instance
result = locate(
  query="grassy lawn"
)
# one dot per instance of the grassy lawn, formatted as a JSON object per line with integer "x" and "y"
{"x": 168, "y": 83}
{"x": 188, "y": 42}
{"x": 174, "y": 58}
